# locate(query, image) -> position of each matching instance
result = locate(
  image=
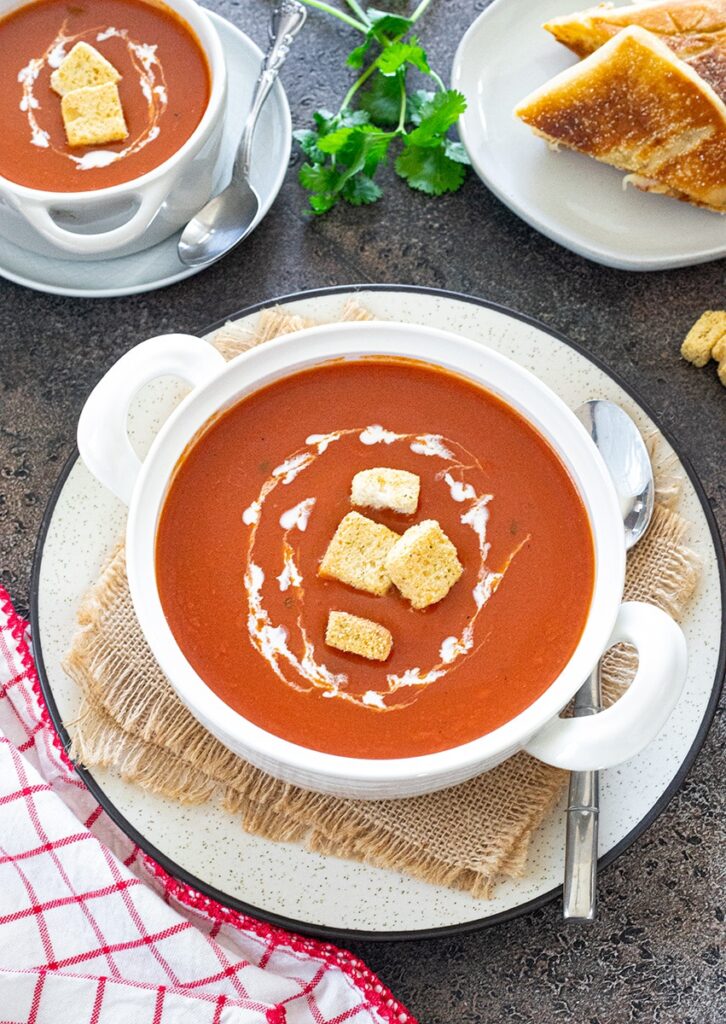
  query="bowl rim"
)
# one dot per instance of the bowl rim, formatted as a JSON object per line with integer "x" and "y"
{"x": 207, "y": 37}
{"x": 282, "y": 357}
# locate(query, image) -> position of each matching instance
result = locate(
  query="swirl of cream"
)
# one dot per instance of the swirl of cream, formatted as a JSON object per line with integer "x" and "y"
{"x": 151, "y": 82}
{"x": 272, "y": 641}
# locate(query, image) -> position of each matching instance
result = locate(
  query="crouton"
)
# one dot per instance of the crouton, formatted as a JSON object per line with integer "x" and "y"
{"x": 386, "y": 488}
{"x": 93, "y": 115}
{"x": 708, "y": 332}
{"x": 718, "y": 352}
{"x": 357, "y": 554}
{"x": 82, "y": 67}
{"x": 424, "y": 564}
{"x": 359, "y": 636}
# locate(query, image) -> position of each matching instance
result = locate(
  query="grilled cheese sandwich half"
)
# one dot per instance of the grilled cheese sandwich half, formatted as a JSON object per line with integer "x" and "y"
{"x": 635, "y": 105}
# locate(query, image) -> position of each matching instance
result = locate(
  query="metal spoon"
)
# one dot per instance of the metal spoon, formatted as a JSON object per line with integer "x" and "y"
{"x": 626, "y": 457}
{"x": 229, "y": 217}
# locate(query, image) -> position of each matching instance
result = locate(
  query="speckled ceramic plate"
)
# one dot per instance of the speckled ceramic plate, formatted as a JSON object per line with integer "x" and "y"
{"x": 574, "y": 200}
{"x": 160, "y": 266}
{"x": 283, "y": 882}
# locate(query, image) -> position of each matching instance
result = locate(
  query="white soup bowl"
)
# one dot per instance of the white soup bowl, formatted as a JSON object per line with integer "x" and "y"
{"x": 595, "y": 742}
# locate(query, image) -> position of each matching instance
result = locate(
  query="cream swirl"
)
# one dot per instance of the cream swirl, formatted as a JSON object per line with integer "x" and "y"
{"x": 273, "y": 641}
{"x": 151, "y": 81}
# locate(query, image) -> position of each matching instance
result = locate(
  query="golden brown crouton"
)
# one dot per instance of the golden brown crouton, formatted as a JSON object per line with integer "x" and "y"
{"x": 386, "y": 488}
{"x": 82, "y": 67}
{"x": 719, "y": 349}
{"x": 708, "y": 332}
{"x": 357, "y": 554}
{"x": 93, "y": 115}
{"x": 424, "y": 564}
{"x": 358, "y": 636}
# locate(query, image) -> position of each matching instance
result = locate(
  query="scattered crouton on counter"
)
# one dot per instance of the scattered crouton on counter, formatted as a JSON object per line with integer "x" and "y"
{"x": 707, "y": 340}
{"x": 93, "y": 115}
{"x": 396, "y": 489}
{"x": 82, "y": 67}
{"x": 360, "y": 636}
{"x": 357, "y": 554}
{"x": 424, "y": 564}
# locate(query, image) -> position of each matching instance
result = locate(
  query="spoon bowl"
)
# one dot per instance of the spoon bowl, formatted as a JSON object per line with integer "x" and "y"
{"x": 220, "y": 225}
{"x": 623, "y": 449}
{"x": 230, "y": 216}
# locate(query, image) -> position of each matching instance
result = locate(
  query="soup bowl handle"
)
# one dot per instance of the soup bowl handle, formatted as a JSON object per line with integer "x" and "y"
{"x": 624, "y": 729}
{"x": 103, "y": 440}
{"x": 150, "y": 200}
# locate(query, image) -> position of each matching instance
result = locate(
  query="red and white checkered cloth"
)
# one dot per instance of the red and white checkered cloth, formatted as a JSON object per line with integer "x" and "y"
{"x": 92, "y": 931}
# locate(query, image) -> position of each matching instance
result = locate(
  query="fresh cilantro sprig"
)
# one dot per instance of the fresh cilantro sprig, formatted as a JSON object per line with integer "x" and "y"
{"x": 380, "y": 114}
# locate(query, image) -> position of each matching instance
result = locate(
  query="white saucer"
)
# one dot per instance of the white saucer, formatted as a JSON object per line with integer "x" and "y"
{"x": 571, "y": 198}
{"x": 282, "y": 882}
{"x": 160, "y": 266}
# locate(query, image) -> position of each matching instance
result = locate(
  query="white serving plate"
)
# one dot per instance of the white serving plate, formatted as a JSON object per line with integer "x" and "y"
{"x": 285, "y": 883}
{"x": 570, "y": 198}
{"x": 160, "y": 266}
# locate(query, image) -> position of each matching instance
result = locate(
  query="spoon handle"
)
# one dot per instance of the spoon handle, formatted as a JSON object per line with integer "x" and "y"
{"x": 287, "y": 20}
{"x": 580, "y": 880}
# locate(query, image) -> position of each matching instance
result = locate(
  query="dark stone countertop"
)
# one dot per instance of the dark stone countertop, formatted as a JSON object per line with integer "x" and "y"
{"x": 654, "y": 955}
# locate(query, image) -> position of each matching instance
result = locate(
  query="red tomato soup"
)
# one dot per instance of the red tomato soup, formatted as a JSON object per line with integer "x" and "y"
{"x": 164, "y": 90}
{"x": 259, "y": 494}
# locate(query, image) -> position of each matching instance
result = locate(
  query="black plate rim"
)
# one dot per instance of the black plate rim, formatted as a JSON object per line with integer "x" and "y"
{"x": 327, "y": 932}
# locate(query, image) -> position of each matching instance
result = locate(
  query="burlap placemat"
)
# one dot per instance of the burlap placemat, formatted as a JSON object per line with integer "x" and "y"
{"x": 466, "y": 837}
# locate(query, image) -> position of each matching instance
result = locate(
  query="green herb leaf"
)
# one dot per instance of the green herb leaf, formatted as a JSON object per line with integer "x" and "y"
{"x": 343, "y": 151}
{"x": 317, "y": 178}
{"x": 398, "y": 54}
{"x": 415, "y": 103}
{"x": 361, "y": 190}
{"x": 382, "y": 101}
{"x": 321, "y": 204}
{"x": 430, "y": 170}
{"x": 324, "y": 119}
{"x": 356, "y": 57}
{"x": 386, "y": 24}
{"x": 335, "y": 141}
{"x": 307, "y": 139}
{"x": 456, "y": 152}
{"x": 364, "y": 149}
{"x": 437, "y": 116}
{"x": 352, "y": 118}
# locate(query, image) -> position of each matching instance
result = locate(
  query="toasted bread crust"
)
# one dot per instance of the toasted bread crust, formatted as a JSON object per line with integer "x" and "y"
{"x": 694, "y": 29}
{"x": 635, "y": 105}
{"x": 688, "y": 26}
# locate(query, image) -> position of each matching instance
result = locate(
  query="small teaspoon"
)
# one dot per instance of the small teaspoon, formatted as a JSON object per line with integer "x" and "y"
{"x": 230, "y": 216}
{"x": 623, "y": 450}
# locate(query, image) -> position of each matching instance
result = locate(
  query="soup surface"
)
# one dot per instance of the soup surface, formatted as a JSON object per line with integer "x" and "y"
{"x": 255, "y": 501}
{"x": 164, "y": 90}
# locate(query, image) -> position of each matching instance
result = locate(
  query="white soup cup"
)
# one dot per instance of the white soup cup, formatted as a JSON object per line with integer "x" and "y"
{"x": 123, "y": 219}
